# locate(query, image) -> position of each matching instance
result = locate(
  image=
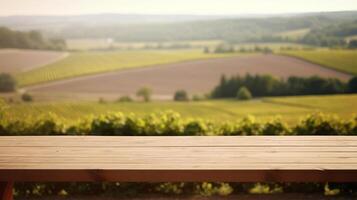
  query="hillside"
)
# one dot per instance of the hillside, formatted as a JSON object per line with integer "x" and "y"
{"x": 175, "y": 28}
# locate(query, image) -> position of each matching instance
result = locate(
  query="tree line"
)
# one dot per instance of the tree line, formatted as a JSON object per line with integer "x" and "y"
{"x": 29, "y": 40}
{"x": 266, "y": 85}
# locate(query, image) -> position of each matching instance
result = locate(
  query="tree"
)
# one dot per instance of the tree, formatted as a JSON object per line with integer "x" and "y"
{"x": 352, "y": 44}
{"x": 244, "y": 94}
{"x": 352, "y": 85}
{"x": 26, "y": 97}
{"x": 181, "y": 95}
{"x": 7, "y": 83}
{"x": 144, "y": 93}
{"x": 125, "y": 99}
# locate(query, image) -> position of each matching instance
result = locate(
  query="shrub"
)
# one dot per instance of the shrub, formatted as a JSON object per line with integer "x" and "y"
{"x": 144, "y": 93}
{"x": 352, "y": 85}
{"x": 352, "y": 44}
{"x": 197, "y": 97}
{"x": 244, "y": 94}
{"x": 26, "y": 97}
{"x": 102, "y": 101}
{"x": 7, "y": 83}
{"x": 181, "y": 95}
{"x": 125, "y": 99}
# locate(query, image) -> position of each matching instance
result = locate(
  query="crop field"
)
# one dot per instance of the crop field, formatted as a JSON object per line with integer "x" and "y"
{"x": 90, "y": 44}
{"x": 85, "y": 63}
{"x": 341, "y": 60}
{"x": 17, "y": 61}
{"x": 196, "y": 77}
{"x": 290, "y": 109}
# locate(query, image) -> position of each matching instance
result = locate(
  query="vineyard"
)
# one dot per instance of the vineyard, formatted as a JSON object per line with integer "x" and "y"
{"x": 341, "y": 60}
{"x": 85, "y": 63}
{"x": 290, "y": 109}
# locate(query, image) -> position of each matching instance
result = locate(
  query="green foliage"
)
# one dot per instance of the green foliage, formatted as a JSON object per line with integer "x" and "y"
{"x": 26, "y": 97}
{"x": 125, "y": 99}
{"x": 172, "y": 124}
{"x": 7, "y": 83}
{"x": 244, "y": 94}
{"x": 28, "y": 40}
{"x": 352, "y": 85}
{"x": 332, "y": 35}
{"x": 319, "y": 124}
{"x": 266, "y": 85}
{"x": 181, "y": 95}
{"x": 144, "y": 93}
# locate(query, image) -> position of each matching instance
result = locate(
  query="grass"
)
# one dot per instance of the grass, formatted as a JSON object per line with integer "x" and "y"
{"x": 85, "y": 63}
{"x": 341, "y": 60}
{"x": 291, "y": 109}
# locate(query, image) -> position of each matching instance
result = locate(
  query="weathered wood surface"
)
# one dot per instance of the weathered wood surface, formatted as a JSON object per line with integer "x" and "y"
{"x": 243, "y": 159}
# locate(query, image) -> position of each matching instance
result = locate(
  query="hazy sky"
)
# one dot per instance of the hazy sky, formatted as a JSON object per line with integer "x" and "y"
{"x": 60, "y": 7}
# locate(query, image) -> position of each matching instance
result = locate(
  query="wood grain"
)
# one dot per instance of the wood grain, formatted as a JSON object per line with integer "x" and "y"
{"x": 238, "y": 158}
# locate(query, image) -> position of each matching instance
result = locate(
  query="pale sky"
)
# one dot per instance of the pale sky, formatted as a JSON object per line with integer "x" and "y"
{"x": 70, "y": 7}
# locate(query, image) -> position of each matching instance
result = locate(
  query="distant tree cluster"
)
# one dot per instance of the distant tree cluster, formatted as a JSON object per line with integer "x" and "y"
{"x": 266, "y": 85}
{"x": 320, "y": 39}
{"x": 7, "y": 83}
{"x": 225, "y": 48}
{"x": 28, "y": 40}
{"x": 181, "y": 95}
{"x": 352, "y": 44}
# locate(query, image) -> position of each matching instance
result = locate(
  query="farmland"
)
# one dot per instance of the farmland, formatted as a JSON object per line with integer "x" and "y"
{"x": 92, "y": 44}
{"x": 196, "y": 77}
{"x": 290, "y": 109}
{"x": 17, "y": 61}
{"x": 341, "y": 60}
{"x": 85, "y": 63}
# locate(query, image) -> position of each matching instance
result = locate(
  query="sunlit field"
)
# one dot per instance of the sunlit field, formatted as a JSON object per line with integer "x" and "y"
{"x": 290, "y": 109}
{"x": 342, "y": 60}
{"x": 85, "y": 63}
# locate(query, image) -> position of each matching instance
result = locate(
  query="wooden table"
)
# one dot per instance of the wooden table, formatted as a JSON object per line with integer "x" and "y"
{"x": 156, "y": 159}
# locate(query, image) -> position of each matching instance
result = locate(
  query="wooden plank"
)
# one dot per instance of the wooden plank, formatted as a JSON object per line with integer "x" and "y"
{"x": 132, "y": 141}
{"x": 239, "y": 158}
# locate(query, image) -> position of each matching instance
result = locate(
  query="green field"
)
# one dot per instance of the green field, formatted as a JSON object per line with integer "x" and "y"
{"x": 342, "y": 60}
{"x": 84, "y": 63}
{"x": 290, "y": 109}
